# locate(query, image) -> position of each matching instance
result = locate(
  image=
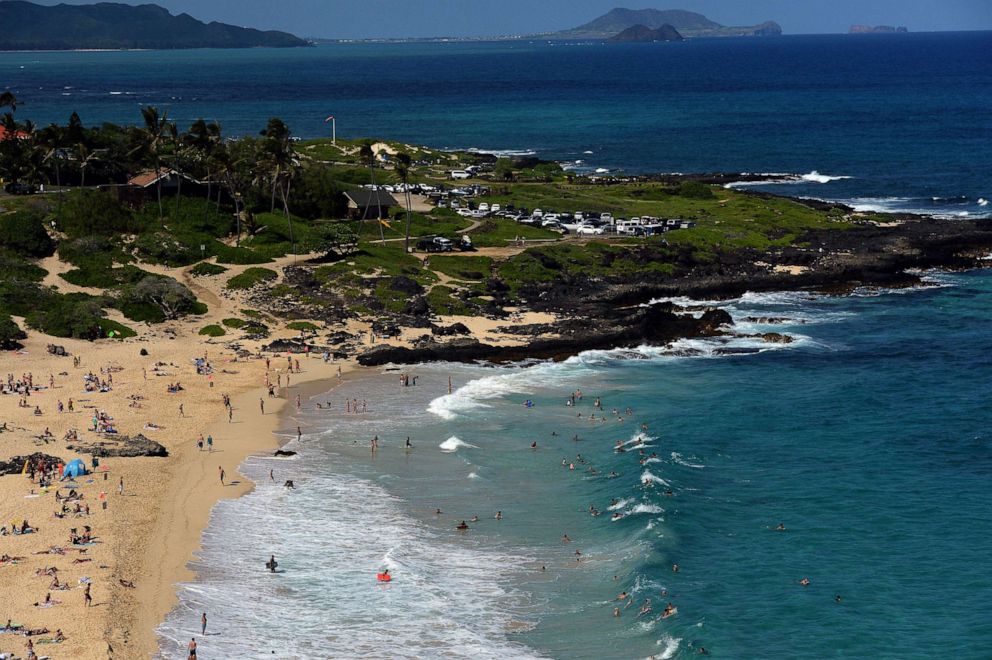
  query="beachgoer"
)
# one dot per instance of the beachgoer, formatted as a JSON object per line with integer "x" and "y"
{"x": 271, "y": 564}
{"x": 210, "y": 443}
{"x": 203, "y": 624}
{"x": 804, "y": 582}
{"x": 221, "y": 471}
{"x": 192, "y": 648}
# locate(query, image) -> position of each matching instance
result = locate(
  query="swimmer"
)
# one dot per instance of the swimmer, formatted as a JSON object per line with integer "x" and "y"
{"x": 675, "y": 568}
{"x": 437, "y": 512}
{"x": 804, "y": 582}
{"x": 499, "y": 515}
{"x": 645, "y": 608}
{"x": 565, "y": 539}
{"x": 462, "y": 526}
{"x": 837, "y": 599}
{"x": 780, "y": 528}
{"x": 533, "y": 445}
{"x": 622, "y": 596}
{"x": 474, "y": 519}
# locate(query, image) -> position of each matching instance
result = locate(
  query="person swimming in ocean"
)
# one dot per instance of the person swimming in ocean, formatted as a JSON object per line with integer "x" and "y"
{"x": 462, "y": 526}
{"x": 804, "y": 582}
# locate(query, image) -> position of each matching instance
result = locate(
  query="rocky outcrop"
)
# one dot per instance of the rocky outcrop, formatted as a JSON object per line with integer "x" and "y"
{"x": 450, "y": 330}
{"x": 16, "y": 464}
{"x": 657, "y": 324}
{"x": 122, "y": 447}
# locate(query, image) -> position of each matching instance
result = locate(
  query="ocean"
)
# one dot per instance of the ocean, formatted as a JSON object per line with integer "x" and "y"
{"x": 867, "y": 438}
{"x": 882, "y": 122}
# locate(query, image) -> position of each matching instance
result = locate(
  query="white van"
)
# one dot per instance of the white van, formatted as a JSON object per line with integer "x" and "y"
{"x": 460, "y": 174}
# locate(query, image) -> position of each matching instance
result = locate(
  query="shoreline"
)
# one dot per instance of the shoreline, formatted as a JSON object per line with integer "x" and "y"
{"x": 195, "y": 492}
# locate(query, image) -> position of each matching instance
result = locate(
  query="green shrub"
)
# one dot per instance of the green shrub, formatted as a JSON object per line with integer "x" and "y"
{"x": 120, "y": 331}
{"x": 13, "y": 266}
{"x": 10, "y": 333}
{"x": 251, "y": 277}
{"x": 234, "y": 323}
{"x": 206, "y": 269}
{"x": 212, "y": 331}
{"x": 74, "y": 315}
{"x": 24, "y": 232}
{"x": 88, "y": 212}
{"x": 238, "y": 255}
{"x": 104, "y": 278}
{"x": 155, "y": 299}
{"x": 695, "y": 190}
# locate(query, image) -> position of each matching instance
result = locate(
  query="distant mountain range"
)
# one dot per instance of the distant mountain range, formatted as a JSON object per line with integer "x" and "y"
{"x": 27, "y": 26}
{"x": 687, "y": 23}
{"x": 644, "y": 34}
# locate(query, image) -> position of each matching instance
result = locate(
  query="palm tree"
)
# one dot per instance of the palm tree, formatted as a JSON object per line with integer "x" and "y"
{"x": 8, "y": 100}
{"x": 85, "y": 158}
{"x": 151, "y": 140}
{"x": 403, "y": 162}
{"x": 281, "y": 163}
{"x": 203, "y": 139}
{"x": 50, "y": 141}
{"x": 367, "y": 156}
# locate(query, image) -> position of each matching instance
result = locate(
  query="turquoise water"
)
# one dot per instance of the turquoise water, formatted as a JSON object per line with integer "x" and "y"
{"x": 867, "y": 438}
{"x": 905, "y": 117}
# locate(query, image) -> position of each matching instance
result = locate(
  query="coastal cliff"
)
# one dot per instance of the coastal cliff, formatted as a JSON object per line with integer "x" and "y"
{"x": 28, "y": 26}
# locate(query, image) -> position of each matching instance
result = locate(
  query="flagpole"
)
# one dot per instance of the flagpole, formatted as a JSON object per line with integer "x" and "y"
{"x": 334, "y": 131}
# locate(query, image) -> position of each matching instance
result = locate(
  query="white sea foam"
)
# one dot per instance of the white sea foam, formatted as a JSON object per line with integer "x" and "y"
{"x": 500, "y": 153}
{"x": 447, "y": 599}
{"x": 645, "y": 508}
{"x": 454, "y": 443}
{"x": 671, "y": 647}
{"x": 619, "y": 505}
{"x": 816, "y": 177}
{"x": 473, "y": 475}
{"x": 677, "y": 458}
{"x": 650, "y": 477}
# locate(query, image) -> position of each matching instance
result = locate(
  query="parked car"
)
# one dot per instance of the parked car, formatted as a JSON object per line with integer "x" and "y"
{"x": 21, "y": 188}
{"x": 589, "y": 230}
{"x": 465, "y": 213}
{"x": 496, "y": 208}
{"x": 537, "y": 213}
{"x": 435, "y": 244}
{"x": 484, "y": 206}
{"x": 460, "y": 174}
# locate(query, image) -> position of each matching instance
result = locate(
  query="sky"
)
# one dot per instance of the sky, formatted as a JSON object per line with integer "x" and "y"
{"x": 358, "y": 19}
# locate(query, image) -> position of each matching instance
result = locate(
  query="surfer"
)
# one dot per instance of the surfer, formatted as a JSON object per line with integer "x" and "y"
{"x": 271, "y": 564}
{"x": 462, "y": 526}
{"x": 669, "y": 611}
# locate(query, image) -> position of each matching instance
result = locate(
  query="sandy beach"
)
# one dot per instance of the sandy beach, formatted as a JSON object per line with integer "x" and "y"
{"x": 156, "y": 507}
{"x": 152, "y": 524}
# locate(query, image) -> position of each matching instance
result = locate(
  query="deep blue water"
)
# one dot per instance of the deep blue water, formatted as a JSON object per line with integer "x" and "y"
{"x": 906, "y": 116}
{"x": 868, "y": 438}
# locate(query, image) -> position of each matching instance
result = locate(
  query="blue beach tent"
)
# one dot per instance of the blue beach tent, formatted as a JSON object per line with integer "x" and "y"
{"x": 75, "y": 468}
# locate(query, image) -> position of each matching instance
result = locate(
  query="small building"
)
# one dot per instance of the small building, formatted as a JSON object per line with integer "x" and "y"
{"x": 143, "y": 187}
{"x": 367, "y": 204}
